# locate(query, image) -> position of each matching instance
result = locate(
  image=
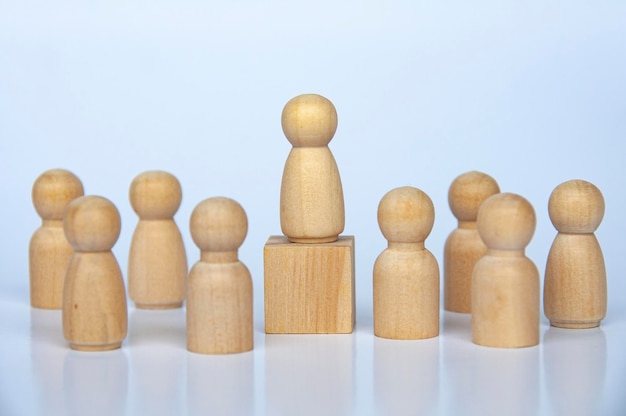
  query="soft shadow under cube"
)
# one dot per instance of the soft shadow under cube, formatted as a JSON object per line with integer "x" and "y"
{"x": 309, "y": 288}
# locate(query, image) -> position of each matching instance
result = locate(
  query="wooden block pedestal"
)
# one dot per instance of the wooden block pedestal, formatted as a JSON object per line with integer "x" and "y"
{"x": 309, "y": 288}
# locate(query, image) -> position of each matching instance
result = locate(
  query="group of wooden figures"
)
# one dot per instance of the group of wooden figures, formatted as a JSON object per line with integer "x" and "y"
{"x": 309, "y": 272}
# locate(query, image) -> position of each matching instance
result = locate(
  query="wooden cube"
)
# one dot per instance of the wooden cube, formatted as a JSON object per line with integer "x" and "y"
{"x": 309, "y": 288}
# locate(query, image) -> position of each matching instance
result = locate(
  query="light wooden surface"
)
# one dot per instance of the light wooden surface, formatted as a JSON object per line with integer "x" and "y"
{"x": 309, "y": 288}
{"x": 311, "y": 195}
{"x": 157, "y": 263}
{"x": 94, "y": 297}
{"x": 406, "y": 274}
{"x": 464, "y": 247}
{"x": 575, "y": 292}
{"x": 505, "y": 283}
{"x": 49, "y": 252}
{"x": 219, "y": 292}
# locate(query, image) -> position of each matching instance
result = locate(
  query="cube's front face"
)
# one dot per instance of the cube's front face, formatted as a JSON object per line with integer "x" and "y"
{"x": 309, "y": 288}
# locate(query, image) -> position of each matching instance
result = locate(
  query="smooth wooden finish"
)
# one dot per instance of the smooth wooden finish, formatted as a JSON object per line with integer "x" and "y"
{"x": 94, "y": 297}
{"x": 309, "y": 288}
{"x": 406, "y": 274}
{"x": 157, "y": 263}
{"x": 505, "y": 283}
{"x": 219, "y": 292}
{"x": 464, "y": 247}
{"x": 311, "y": 195}
{"x": 49, "y": 251}
{"x": 575, "y": 292}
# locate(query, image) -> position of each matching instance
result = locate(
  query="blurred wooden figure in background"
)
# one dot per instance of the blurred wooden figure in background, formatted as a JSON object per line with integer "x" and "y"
{"x": 49, "y": 250}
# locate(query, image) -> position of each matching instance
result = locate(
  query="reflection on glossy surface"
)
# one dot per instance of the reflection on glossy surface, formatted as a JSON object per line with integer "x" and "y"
{"x": 48, "y": 349}
{"x": 157, "y": 373}
{"x": 488, "y": 381}
{"x": 406, "y": 376}
{"x": 220, "y": 384}
{"x": 309, "y": 374}
{"x": 574, "y": 361}
{"x": 95, "y": 383}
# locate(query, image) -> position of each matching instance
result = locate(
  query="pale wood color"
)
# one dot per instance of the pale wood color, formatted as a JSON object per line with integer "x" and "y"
{"x": 95, "y": 316}
{"x": 464, "y": 247}
{"x": 49, "y": 251}
{"x": 309, "y": 288}
{"x": 157, "y": 263}
{"x": 219, "y": 291}
{"x": 406, "y": 274}
{"x": 575, "y": 293}
{"x": 311, "y": 195}
{"x": 505, "y": 283}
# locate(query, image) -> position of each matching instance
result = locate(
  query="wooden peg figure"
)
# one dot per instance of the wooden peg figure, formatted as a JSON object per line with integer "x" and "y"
{"x": 219, "y": 291}
{"x": 157, "y": 263}
{"x": 311, "y": 195}
{"x": 94, "y": 297}
{"x": 464, "y": 247}
{"x": 575, "y": 293}
{"x": 505, "y": 283}
{"x": 406, "y": 274}
{"x": 49, "y": 251}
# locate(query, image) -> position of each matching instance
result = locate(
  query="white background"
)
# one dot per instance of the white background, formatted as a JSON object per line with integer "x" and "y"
{"x": 533, "y": 93}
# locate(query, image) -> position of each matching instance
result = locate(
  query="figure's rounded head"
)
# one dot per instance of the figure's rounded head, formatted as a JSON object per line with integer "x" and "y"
{"x": 92, "y": 223}
{"x": 506, "y": 222}
{"x": 155, "y": 195}
{"x": 218, "y": 225}
{"x": 576, "y": 206}
{"x": 468, "y": 191}
{"x": 53, "y": 190}
{"x": 406, "y": 215}
{"x": 309, "y": 120}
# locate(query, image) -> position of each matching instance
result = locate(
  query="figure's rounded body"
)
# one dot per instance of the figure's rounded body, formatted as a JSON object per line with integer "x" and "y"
{"x": 220, "y": 297}
{"x": 506, "y": 311}
{"x": 406, "y": 294}
{"x": 94, "y": 306}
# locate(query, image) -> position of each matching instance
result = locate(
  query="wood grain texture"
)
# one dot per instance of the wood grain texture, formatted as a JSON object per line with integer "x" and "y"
{"x": 463, "y": 246}
{"x": 219, "y": 291}
{"x": 505, "y": 283}
{"x": 49, "y": 252}
{"x": 95, "y": 316}
{"x": 406, "y": 274}
{"x": 157, "y": 262}
{"x": 575, "y": 288}
{"x": 311, "y": 195}
{"x": 309, "y": 288}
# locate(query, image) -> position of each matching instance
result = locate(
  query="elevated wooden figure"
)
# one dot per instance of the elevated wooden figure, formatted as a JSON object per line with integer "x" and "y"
{"x": 157, "y": 263}
{"x": 309, "y": 273}
{"x": 49, "y": 251}
{"x": 575, "y": 293}
{"x": 219, "y": 291}
{"x": 505, "y": 283}
{"x": 94, "y": 296}
{"x": 464, "y": 247}
{"x": 406, "y": 274}
{"x": 311, "y": 195}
